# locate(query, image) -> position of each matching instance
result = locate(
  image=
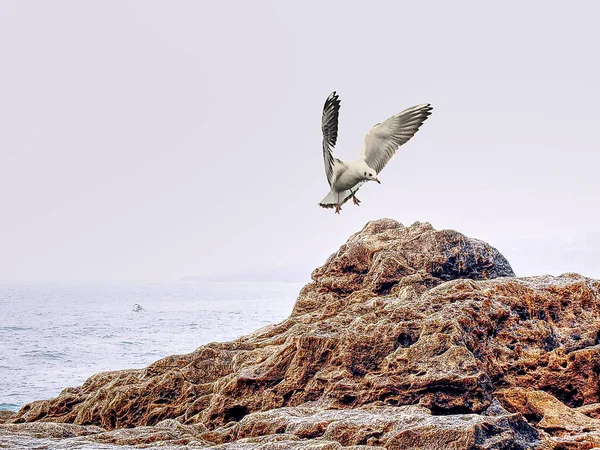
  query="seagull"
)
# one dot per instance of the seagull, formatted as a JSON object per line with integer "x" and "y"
{"x": 381, "y": 143}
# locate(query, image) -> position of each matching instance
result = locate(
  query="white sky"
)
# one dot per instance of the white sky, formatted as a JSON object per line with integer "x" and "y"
{"x": 147, "y": 140}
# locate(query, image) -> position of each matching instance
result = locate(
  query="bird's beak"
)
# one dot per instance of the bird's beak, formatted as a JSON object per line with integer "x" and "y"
{"x": 377, "y": 179}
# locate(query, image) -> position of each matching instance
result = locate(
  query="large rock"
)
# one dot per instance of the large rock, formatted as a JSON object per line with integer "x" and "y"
{"x": 406, "y": 338}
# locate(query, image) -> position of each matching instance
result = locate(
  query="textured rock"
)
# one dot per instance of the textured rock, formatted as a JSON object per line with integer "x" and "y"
{"x": 50, "y": 430}
{"x": 568, "y": 427}
{"x": 407, "y": 337}
{"x": 389, "y": 427}
{"x": 309, "y": 427}
{"x": 171, "y": 431}
{"x": 546, "y": 411}
{"x": 6, "y": 415}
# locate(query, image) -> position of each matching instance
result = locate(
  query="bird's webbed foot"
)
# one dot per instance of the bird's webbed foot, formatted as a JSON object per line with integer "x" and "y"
{"x": 338, "y": 208}
{"x": 355, "y": 200}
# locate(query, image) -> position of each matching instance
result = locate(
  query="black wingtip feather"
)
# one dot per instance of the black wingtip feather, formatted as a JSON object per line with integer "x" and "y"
{"x": 329, "y": 124}
{"x": 332, "y": 101}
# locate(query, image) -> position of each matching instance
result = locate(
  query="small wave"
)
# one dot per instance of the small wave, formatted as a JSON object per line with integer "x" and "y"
{"x": 44, "y": 354}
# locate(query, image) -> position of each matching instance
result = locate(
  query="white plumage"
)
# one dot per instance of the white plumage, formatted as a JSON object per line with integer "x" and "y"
{"x": 381, "y": 143}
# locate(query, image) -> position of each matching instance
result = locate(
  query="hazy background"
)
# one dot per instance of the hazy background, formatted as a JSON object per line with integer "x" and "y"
{"x": 146, "y": 140}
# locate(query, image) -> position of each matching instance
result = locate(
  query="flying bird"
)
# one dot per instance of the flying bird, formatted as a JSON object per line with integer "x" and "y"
{"x": 381, "y": 143}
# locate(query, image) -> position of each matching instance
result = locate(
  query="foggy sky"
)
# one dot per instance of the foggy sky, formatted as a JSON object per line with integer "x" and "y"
{"x": 147, "y": 140}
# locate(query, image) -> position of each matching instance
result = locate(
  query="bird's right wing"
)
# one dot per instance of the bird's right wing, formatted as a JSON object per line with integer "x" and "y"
{"x": 329, "y": 126}
{"x": 382, "y": 141}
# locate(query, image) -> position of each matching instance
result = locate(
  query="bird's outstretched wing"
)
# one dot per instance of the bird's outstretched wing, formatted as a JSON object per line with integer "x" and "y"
{"x": 329, "y": 125}
{"x": 382, "y": 141}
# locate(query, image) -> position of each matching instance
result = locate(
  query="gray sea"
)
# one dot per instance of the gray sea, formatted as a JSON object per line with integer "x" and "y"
{"x": 55, "y": 335}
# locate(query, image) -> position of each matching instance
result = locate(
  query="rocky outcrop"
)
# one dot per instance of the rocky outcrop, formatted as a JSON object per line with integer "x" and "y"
{"x": 407, "y": 337}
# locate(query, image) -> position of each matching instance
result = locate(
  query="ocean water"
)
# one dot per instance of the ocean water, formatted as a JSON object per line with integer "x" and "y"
{"x": 54, "y": 335}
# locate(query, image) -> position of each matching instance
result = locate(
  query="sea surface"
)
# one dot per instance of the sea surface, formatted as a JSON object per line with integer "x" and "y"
{"x": 56, "y": 335}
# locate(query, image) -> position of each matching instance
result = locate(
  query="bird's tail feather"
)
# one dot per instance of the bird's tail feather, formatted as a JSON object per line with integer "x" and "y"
{"x": 331, "y": 198}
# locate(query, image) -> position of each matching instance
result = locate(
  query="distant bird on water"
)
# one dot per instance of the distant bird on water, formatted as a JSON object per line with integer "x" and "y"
{"x": 381, "y": 143}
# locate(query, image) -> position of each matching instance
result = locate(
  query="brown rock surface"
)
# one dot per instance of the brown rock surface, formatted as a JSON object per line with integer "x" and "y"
{"x": 6, "y": 415}
{"x": 405, "y": 339}
{"x": 51, "y": 430}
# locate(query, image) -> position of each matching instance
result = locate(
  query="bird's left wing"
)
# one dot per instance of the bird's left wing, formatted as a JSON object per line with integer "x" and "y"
{"x": 382, "y": 141}
{"x": 329, "y": 125}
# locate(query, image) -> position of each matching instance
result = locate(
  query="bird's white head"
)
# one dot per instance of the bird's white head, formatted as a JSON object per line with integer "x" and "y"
{"x": 369, "y": 174}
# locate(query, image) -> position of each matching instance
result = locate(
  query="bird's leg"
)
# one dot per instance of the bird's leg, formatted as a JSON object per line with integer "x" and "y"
{"x": 338, "y": 208}
{"x": 355, "y": 199}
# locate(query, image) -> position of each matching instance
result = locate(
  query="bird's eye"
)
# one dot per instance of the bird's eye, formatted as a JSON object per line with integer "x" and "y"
{"x": 370, "y": 174}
